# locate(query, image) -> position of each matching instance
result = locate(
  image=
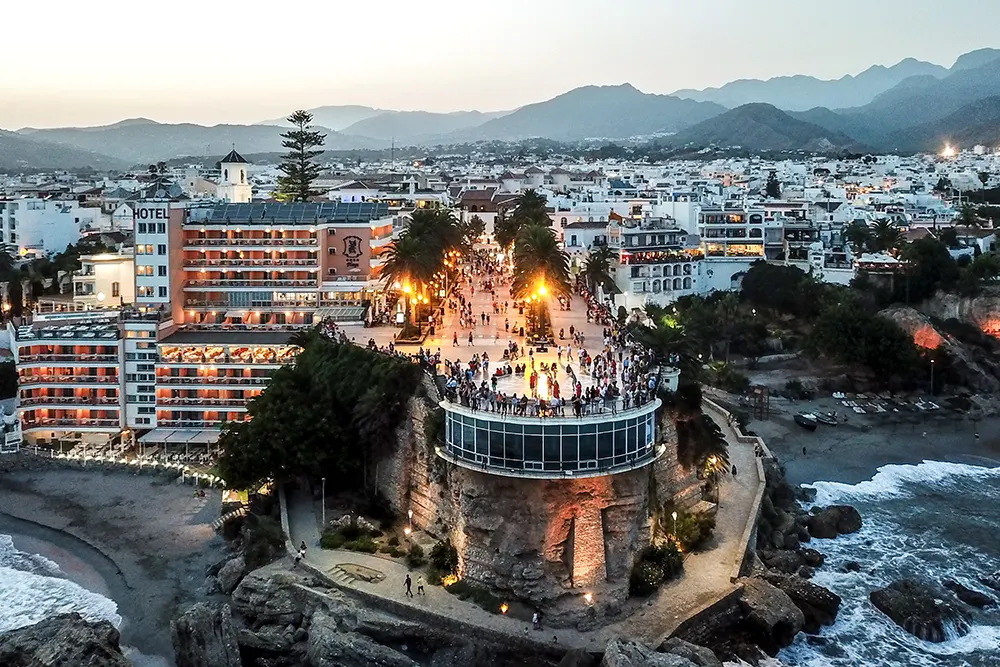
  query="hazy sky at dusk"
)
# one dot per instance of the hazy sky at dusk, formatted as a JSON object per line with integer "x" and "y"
{"x": 217, "y": 61}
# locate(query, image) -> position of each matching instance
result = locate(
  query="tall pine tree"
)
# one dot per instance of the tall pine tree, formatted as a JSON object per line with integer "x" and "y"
{"x": 299, "y": 163}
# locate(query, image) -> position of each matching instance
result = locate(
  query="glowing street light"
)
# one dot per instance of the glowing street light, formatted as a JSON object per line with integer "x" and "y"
{"x": 674, "y": 516}
{"x": 588, "y": 598}
{"x": 504, "y": 607}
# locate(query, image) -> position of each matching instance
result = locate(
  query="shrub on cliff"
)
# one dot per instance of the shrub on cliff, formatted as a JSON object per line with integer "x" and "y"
{"x": 655, "y": 565}
{"x": 326, "y": 415}
{"x": 263, "y": 540}
{"x": 693, "y": 530}
{"x": 444, "y": 557}
{"x": 415, "y": 557}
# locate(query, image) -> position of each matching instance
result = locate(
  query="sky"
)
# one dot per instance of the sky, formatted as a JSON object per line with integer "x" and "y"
{"x": 222, "y": 61}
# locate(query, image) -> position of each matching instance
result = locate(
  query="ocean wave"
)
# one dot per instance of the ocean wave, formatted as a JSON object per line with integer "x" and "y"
{"x": 896, "y": 481}
{"x": 18, "y": 560}
{"x": 29, "y": 598}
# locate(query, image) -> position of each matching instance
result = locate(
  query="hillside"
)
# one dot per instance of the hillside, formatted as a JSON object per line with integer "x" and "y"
{"x": 594, "y": 112}
{"x": 975, "y": 123}
{"x": 144, "y": 142}
{"x": 800, "y": 93}
{"x": 417, "y": 125}
{"x": 334, "y": 117}
{"x": 762, "y": 127}
{"x": 23, "y": 153}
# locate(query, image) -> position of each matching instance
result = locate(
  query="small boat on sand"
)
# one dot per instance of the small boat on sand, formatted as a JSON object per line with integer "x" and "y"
{"x": 806, "y": 421}
{"x": 828, "y": 418}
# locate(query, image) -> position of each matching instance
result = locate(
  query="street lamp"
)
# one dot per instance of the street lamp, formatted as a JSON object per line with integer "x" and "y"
{"x": 323, "y": 507}
{"x": 674, "y": 516}
{"x": 932, "y": 377}
{"x": 409, "y": 517}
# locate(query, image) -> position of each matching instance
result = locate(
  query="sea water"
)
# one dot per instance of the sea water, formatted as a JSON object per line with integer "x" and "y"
{"x": 932, "y": 520}
{"x": 33, "y": 588}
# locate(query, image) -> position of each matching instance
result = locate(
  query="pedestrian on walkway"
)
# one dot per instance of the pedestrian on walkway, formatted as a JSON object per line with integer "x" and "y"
{"x": 734, "y": 471}
{"x": 420, "y": 584}
{"x": 470, "y": 339}
{"x": 299, "y": 555}
{"x": 454, "y": 339}
{"x": 408, "y": 583}
{"x": 536, "y": 622}
{"x": 302, "y": 547}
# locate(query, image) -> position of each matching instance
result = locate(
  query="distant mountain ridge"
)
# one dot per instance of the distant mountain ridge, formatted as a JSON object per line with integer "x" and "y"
{"x": 334, "y": 117}
{"x": 762, "y": 127}
{"x": 18, "y": 153}
{"x": 418, "y": 125}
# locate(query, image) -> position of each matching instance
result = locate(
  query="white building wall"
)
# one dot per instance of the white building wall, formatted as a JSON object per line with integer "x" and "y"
{"x": 152, "y": 270}
{"x": 139, "y": 374}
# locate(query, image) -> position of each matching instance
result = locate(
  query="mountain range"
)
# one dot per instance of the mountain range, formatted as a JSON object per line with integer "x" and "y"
{"x": 909, "y": 107}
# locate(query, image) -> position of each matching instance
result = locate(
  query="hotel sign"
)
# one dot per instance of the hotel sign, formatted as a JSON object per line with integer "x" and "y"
{"x": 152, "y": 211}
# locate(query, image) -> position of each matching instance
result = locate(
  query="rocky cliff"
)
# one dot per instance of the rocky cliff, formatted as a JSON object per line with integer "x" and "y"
{"x": 62, "y": 641}
{"x": 981, "y": 311}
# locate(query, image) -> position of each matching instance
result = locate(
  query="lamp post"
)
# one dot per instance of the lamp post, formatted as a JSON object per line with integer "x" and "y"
{"x": 932, "y": 377}
{"x": 409, "y": 518}
{"x": 674, "y": 516}
{"x": 323, "y": 507}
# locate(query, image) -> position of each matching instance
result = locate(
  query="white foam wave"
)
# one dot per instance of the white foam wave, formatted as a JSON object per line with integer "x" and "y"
{"x": 18, "y": 560}
{"x": 29, "y": 598}
{"x": 893, "y": 481}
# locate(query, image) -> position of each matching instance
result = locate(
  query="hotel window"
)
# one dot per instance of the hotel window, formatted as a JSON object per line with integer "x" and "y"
{"x": 163, "y": 292}
{"x": 161, "y": 249}
{"x": 161, "y": 228}
{"x": 161, "y": 271}
{"x": 142, "y": 228}
{"x": 115, "y": 289}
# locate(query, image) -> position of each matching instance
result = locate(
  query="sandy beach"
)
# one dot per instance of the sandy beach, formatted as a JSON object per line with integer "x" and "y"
{"x": 142, "y": 540}
{"x": 851, "y": 452}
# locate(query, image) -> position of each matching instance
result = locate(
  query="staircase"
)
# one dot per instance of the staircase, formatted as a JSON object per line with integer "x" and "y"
{"x": 341, "y": 576}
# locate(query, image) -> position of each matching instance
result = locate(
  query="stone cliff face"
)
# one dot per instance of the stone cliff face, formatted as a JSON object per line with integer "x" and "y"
{"x": 63, "y": 641}
{"x": 543, "y": 541}
{"x": 982, "y": 311}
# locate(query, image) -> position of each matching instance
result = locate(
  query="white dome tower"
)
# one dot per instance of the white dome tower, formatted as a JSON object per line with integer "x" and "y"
{"x": 234, "y": 182}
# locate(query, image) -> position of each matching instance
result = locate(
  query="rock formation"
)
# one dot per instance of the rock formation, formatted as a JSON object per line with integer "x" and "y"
{"x": 770, "y": 615}
{"x": 699, "y": 655}
{"x": 969, "y": 596}
{"x": 629, "y": 653}
{"x": 922, "y": 609}
{"x": 833, "y": 521}
{"x": 818, "y": 605}
{"x": 63, "y": 641}
{"x": 204, "y": 637}
{"x": 230, "y": 574}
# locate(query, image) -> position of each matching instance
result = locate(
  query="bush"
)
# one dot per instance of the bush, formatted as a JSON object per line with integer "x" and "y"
{"x": 655, "y": 565}
{"x": 391, "y": 550}
{"x": 393, "y": 541}
{"x": 264, "y": 540}
{"x": 332, "y": 539}
{"x": 415, "y": 558}
{"x": 693, "y": 530}
{"x": 444, "y": 557}
{"x": 363, "y": 544}
{"x": 479, "y": 596}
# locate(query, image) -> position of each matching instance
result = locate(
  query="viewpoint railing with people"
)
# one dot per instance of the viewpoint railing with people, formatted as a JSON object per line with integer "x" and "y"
{"x": 543, "y": 409}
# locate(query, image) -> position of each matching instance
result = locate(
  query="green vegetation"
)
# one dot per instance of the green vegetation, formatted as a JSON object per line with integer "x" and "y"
{"x": 351, "y": 537}
{"x": 444, "y": 557}
{"x": 530, "y": 211}
{"x": 8, "y": 380}
{"x": 415, "y": 556}
{"x": 326, "y": 415}
{"x": 698, "y": 439}
{"x": 299, "y": 163}
{"x": 538, "y": 262}
{"x": 693, "y": 530}
{"x": 263, "y": 539}
{"x": 483, "y": 598}
{"x": 597, "y": 270}
{"x": 655, "y": 565}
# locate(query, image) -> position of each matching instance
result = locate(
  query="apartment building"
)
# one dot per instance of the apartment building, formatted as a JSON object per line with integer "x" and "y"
{"x": 33, "y": 225}
{"x": 658, "y": 263}
{"x": 69, "y": 384}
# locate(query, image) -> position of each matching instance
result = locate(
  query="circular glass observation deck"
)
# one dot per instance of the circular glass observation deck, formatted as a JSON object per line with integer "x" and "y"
{"x": 600, "y": 442}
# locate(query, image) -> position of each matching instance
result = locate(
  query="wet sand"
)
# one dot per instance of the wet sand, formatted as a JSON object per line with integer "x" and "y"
{"x": 852, "y": 452}
{"x": 144, "y": 541}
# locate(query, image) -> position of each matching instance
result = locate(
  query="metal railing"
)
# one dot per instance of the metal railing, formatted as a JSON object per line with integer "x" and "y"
{"x": 543, "y": 410}
{"x": 70, "y": 422}
{"x": 252, "y": 262}
{"x": 189, "y": 423}
{"x": 70, "y": 400}
{"x": 200, "y": 401}
{"x": 78, "y": 359}
{"x": 249, "y": 242}
{"x": 527, "y": 468}
{"x": 225, "y": 282}
{"x": 222, "y": 379}
{"x": 68, "y": 379}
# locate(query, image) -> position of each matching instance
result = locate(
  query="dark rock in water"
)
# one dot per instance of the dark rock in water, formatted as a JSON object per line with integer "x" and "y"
{"x": 699, "y": 655}
{"x": 834, "y": 520}
{"x": 770, "y": 615}
{"x": 788, "y": 562}
{"x": 792, "y": 541}
{"x": 969, "y": 596}
{"x": 805, "y": 494}
{"x": 812, "y": 558}
{"x": 816, "y": 640}
{"x": 465, "y": 655}
{"x": 204, "y": 637}
{"x": 852, "y": 566}
{"x": 818, "y": 605}
{"x": 991, "y": 581}
{"x": 577, "y": 658}
{"x": 63, "y": 641}
{"x": 630, "y": 653}
{"x": 922, "y": 609}
{"x": 806, "y": 572}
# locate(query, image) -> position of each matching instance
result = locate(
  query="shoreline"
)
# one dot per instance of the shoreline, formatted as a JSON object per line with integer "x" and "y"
{"x": 147, "y": 539}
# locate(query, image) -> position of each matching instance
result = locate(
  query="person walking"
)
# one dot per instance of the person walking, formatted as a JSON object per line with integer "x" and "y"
{"x": 734, "y": 471}
{"x": 408, "y": 583}
{"x": 454, "y": 339}
{"x": 536, "y": 622}
{"x": 420, "y": 584}
{"x": 299, "y": 555}
{"x": 470, "y": 339}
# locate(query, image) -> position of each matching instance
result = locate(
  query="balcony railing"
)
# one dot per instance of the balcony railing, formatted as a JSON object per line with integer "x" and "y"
{"x": 189, "y": 423}
{"x": 226, "y": 305}
{"x": 250, "y": 242}
{"x": 223, "y": 282}
{"x": 69, "y": 379}
{"x": 70, "y": 422}
{"x": 199, "y": 402}
{"x": 215, "y": 326}
{"x": 76, "y": 359}
{"x": 222, "y": 379}
{"x": 252, "y": 262}
{"x": 70, "y": 400}
{"x": 224, "y": 359}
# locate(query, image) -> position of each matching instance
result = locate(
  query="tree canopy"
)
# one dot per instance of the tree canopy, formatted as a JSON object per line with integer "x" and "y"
{"x": 325, "y": 415}
{"x": 538, "y": 260}
{"x": 299, "y": 164}
{"x": 530, "y": 210}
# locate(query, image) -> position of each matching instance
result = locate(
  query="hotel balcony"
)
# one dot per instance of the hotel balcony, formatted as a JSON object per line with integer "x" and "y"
{"x": 68, "y": 359}
{"x": 31, "y": 423}
{"x": 62, "y": 402}
{"x": 211, "y": 380}
{"x": 223, "y": 305}
{"x": 222, "y": 284}
{"x": 249, "y": 264}
{"x": 189, "y": 423}
{"x": 235, "y": 244}
{"x": 200, "y": 404}
{"x": 66, "y": 379}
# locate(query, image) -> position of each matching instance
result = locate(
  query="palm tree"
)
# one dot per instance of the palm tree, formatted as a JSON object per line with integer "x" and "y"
{"x": 597, "y": 269}
{"x": 439, "y": 230}
{"x": 968, "y": 216}
{"x": 530, "y": 210}
{"x": 538, "y": 258}
{"x": 858, "y": 235}
{"x": 984, "y": 178}
{"x": 408, "y": 265}
{"x": 887, "y": 236}
{"x": 472, "y": 229}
